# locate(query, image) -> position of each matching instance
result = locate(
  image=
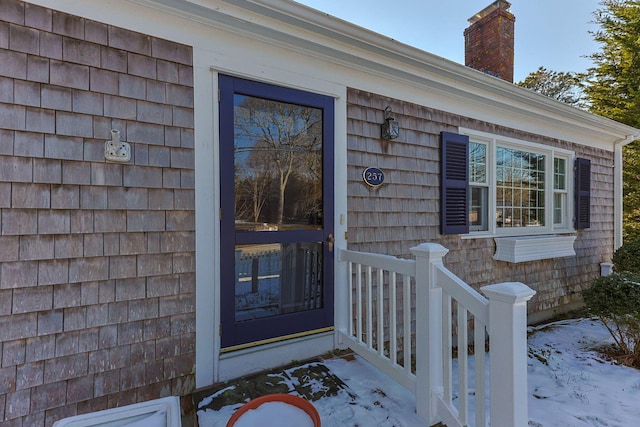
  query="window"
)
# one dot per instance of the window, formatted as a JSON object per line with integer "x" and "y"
{"x": 515, "y": 191}
{"x": 517, "y": 188}
{"x": 520, "y": 188}
{"x": 559, "y": 191}
{"x": 478, "y": 187}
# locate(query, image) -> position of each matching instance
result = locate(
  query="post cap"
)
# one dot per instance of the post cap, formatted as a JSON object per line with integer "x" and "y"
{"x": 512, "y": 292}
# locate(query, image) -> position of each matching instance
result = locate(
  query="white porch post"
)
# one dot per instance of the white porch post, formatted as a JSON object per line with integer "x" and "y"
{"x": 508, "y": 350}
{"x": 428, "y": 331}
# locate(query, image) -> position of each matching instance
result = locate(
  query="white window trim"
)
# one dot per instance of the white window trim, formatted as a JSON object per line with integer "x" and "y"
{"x": 492, "y": 141}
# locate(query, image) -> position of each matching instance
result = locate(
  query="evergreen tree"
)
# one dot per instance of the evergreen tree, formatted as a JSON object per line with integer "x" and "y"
{"x": 631, "y": 191}
{"x": 613, "y": 90}
{"x": 614, "y": 82}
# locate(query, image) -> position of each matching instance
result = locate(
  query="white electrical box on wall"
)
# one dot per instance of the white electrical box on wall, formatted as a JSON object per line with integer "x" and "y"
{"x": 116, "y": 150}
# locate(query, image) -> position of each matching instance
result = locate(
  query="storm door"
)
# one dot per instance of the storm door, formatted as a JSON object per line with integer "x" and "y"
{"x": 276, "y": 164}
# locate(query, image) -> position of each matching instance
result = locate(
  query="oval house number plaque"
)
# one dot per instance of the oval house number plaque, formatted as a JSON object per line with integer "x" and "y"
{"x": 373, "y": 177}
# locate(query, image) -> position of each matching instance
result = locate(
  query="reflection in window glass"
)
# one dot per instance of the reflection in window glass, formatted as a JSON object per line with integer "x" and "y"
{"x": 278, "y": 165}
{"x": 559, "y": 190}
{"x": 478, "y": 209}
{"x": 519, "y": 188}
{"x": 477, "y": 162}
{"x": 479, "y": 190}
{"x": 559, "y": 174}
{"x": 275, "y": 279}
{"x": 558, "y": 208}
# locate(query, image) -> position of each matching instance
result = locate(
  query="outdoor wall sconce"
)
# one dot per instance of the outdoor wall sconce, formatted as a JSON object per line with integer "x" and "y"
{"x": 389, "y": 129}
{"x": 116, "y": 150}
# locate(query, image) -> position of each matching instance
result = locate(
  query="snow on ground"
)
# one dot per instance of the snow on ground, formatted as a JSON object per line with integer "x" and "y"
{"x": 381, "y": 401}
{"x": 570, "y": 385}
{"x": 372, "y": 399}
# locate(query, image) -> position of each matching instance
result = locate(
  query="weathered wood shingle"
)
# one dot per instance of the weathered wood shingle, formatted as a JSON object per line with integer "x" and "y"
{"x": 404, "y": 212}
{"x": 98, "y": 302}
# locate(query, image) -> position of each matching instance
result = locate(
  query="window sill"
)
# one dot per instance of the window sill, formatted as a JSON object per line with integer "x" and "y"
{"x": 533, "y": 248}
{"x": 503, "y": 233}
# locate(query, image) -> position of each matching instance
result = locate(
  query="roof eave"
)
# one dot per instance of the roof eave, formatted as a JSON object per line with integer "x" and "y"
{"x": 288, "y": 23}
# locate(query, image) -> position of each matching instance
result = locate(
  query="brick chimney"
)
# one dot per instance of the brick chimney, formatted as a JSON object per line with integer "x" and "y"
{"x": 489, "y": 41}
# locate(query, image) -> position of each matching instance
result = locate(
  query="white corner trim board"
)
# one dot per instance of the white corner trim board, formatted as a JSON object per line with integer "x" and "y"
{"x": 532, "y": 248}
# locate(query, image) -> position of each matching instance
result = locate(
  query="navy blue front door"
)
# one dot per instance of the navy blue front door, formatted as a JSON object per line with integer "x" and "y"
{"x": 276, "y": 164}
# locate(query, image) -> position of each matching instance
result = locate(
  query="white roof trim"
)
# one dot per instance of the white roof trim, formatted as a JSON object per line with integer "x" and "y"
{"x": 300, "y": 28}
{"x": 292, "y": 25}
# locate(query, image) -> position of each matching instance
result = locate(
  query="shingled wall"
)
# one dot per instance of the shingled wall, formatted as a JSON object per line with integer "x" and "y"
{"x": 97, "y": 259}
{"x": 404, "y": 211}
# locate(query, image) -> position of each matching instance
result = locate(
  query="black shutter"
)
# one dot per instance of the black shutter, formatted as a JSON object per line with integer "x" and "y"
{"x": 454, "y": 188}
{"x": 583, "y": 193}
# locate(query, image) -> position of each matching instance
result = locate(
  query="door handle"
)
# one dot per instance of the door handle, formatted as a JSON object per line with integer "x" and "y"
{"x": 330, "y": 241}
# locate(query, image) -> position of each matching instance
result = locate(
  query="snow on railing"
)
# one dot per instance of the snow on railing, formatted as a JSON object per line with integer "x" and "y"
{"x": 401, "y": 320}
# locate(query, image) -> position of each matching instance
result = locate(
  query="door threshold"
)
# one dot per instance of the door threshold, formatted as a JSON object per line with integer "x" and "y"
{"x": 275, "y": 340}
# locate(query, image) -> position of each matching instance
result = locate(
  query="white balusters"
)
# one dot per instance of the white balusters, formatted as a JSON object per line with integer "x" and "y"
{"x": 373, "y": 279}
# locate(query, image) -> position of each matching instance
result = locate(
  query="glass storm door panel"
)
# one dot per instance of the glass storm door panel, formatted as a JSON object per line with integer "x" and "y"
{"x": 276, "y": 164}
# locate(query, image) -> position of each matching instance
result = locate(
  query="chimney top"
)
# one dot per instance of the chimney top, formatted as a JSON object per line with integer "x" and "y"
{"x": 498, "y": 4}
{"x": 489, "y": 41}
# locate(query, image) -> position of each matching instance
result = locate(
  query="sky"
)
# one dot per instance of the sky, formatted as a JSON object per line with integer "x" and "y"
{"x": 549, "y": 33}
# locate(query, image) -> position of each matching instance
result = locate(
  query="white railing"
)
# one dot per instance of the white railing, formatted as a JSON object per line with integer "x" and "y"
{"x": 401, "y": 319}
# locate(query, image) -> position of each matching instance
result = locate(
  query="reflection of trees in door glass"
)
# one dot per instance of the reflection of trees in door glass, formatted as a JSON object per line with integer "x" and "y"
{"x": 278, "y": 164}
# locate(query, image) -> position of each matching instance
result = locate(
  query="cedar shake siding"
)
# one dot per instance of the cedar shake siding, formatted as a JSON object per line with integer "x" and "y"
{"x": 97, "y": 259}
{"x": 404, "y": 211}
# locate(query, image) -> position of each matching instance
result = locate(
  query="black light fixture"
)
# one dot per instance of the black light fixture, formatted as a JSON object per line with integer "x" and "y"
{"x": 389, "y": 129}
